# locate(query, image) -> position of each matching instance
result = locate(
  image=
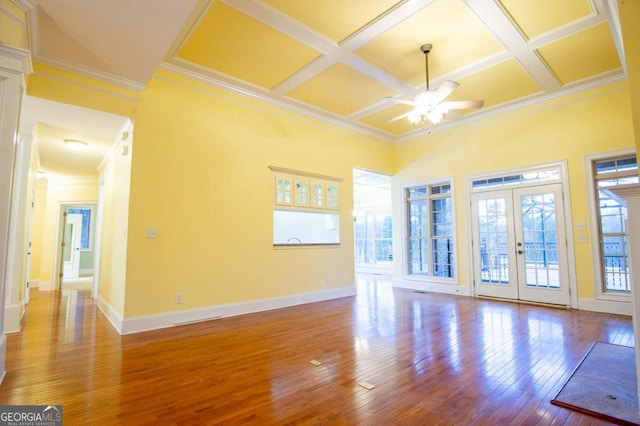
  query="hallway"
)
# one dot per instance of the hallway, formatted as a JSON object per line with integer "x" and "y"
{"x": 433, "y": 358}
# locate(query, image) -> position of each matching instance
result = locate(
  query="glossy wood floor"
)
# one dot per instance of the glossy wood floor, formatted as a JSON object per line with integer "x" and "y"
{"x": 433, "y": 358}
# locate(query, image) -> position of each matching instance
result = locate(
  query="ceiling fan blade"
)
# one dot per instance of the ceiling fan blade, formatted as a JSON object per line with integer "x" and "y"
{"x": 462, "y": 104}
{"x": 444, "y": 90}
{"x": 399, "y": 117}
{"x": 402, "y": 101}
{"x": 453, "y": 115}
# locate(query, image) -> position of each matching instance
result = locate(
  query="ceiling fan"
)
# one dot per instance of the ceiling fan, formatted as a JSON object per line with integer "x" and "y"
{"x": 429, "y": 110}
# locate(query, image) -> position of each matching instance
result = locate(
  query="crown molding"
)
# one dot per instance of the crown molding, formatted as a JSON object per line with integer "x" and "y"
{"x": 15, "y": 59}
{"x": 90, "y": 72}
{"x": 570, "y": 89}
{"x": 284, "y": 103}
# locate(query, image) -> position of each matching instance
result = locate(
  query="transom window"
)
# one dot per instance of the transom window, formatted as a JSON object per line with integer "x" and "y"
{"x": 546, "y": 175}
{"x": 430, "y": 242}
{"x": 612, "y": 212}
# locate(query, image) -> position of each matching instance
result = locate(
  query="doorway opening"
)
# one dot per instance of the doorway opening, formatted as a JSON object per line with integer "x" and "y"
{"x": 77, "y": 246}
{"x": 519, "y": 226}
{"x": 372, "y": 222}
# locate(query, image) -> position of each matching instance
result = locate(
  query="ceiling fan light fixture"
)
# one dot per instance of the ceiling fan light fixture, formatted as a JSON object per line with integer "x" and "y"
{"x": 429, "y": 106}
{"x": 75, "y": 144}
{"x": 415, "y": 117}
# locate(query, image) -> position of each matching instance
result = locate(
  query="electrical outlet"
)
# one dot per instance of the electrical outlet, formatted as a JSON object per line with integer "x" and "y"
{"x": 581, "y": 226}
{"x": 581, "y": 238}
{"x": 178, "y": 297}
{"x": 327, "y": 282}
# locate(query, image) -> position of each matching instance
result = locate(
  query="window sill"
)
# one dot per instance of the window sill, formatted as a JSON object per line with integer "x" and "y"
{"x": 303, "y": 246}
{"x": 614, "y": 297}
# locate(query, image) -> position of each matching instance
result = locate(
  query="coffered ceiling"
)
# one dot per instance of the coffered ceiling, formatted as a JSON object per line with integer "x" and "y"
{"x": 339, "y": 60}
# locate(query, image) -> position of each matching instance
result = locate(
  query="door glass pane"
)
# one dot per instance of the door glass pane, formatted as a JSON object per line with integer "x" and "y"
{"x": 493, "y": 237}
{"x": 540, "y": 240}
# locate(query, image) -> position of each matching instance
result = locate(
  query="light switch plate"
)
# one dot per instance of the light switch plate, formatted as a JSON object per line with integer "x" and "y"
{"x": 581, "y": 226}
{"x": 151, "y": 233}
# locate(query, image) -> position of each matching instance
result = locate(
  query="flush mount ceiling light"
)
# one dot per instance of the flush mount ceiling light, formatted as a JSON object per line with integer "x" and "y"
{"x": 75, "y": 145}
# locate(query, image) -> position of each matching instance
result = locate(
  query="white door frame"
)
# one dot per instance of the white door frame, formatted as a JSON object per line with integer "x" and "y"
{"x": 56, "y": 281}
{"x": 72, "y": 266}
{"x": 562, "y": 178}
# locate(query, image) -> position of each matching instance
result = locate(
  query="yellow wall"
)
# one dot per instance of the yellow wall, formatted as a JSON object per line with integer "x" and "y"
{"x": 59, "y": 190}
{"x": 13, "y": 25}
{"x": 63, "y": 86}
{"x": 200, "y": 176}
{"x": 569, "y": 128}
{"x": 115, "y": 176}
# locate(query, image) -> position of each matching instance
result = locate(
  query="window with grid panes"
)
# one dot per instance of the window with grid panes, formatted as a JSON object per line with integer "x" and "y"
{"x": 612, "y": 213}
{"x": 430, "y": 245}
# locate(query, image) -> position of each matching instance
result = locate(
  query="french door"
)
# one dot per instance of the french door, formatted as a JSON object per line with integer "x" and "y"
{"x": 519, "y": 244}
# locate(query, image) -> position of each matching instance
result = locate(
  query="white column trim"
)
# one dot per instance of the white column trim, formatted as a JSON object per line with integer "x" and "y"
{"x": 15, "y": 64}
{"x": 631, "y": 193}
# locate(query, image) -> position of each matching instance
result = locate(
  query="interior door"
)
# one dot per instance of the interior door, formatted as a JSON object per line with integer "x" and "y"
{"x": 71, "y": 248}
{"x": 519, "y": 248}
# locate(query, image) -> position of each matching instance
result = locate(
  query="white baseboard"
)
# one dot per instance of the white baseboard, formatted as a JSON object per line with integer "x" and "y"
{"x": 373, "y": 270}
{"x": 13, "y": 317}
{"x": 3, "y": 356}
{"x": 606, "y": 306}
{"x": 45, "y": 286}
{"x": 431, "y": 286}
{"x": 85, "y": 272}
{"x": 34, "y": 284}
{"x": 114, "y": 318}
{"x": 172, "y": 319}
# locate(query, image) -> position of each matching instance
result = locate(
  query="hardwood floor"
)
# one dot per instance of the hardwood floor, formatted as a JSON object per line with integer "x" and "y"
{"x": 433, "y": 359}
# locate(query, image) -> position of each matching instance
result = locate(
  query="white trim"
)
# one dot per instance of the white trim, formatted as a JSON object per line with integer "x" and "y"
{"x": 520, "y": 106}
{"x": 191, "y": 71}
{"x": 373, "y": 269}
{"x": 568, "y": 217}
{"x": 606, "y": 306}
{"x": 15, "y": 60}
{"x": 34, "y": 284}
{"x": 594, "y": 226}
{"x": 45, "y": 286}
{"x": 171, "y": 319}
{"x": 461, "y": 290}
{"x": 112, "y": 315}
{"x": 90, "y": 72}
{"x": 13, "y": 317}
{"x": 88, "y": 271}
{"x": 85, "y": 86}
